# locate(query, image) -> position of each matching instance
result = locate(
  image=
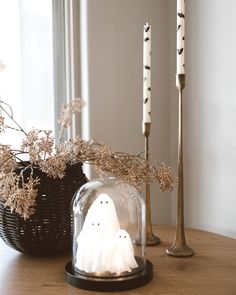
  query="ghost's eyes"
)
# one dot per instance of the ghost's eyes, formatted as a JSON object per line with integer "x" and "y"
{"x": 101, "y": 202}
{"x": 98, "y": 224}
{"x": 125, "y": 237}
{"x": 120, "y": 237}
{"x": 92, "y": 224}
{"x": 106, "y": 202}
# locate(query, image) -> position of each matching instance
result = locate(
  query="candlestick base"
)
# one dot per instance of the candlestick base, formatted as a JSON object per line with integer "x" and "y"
{"x": 152, "y": 240}
{"x": 180, "y": 251}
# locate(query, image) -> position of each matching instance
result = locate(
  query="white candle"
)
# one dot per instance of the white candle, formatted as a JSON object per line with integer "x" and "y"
{"x": 147, "y": 74}
{"x": 180, "y": 37}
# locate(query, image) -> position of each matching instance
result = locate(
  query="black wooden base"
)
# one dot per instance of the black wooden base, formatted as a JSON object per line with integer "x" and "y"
{"x": 109, "y": 284}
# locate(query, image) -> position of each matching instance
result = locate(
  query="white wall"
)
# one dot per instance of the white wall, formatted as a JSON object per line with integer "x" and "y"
{"x": 115, "y": 33}
{"x": 209, "y": 115}
{"x": 115, "y": 86}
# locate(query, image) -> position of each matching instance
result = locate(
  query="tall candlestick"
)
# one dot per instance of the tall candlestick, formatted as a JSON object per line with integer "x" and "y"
{"x": 180, "y": 37}
{"x": 151, "y": 239}
{"x": 179, "y": 247}
{"x": 147, "y": 74}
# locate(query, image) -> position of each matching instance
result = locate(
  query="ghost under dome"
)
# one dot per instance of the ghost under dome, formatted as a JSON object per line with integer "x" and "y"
{"x": 108, "y": 237}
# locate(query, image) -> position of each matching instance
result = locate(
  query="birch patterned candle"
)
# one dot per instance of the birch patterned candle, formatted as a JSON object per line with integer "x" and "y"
{"x": 147, "y": 74}
{"x": 180, "y": 37}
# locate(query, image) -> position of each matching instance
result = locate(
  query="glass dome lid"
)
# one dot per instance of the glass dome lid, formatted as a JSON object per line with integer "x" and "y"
{"x": 108, "y": 237}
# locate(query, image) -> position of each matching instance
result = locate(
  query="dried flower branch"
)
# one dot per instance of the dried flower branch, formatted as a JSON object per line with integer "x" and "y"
{"x": 2, "y": 124}
{"x": 67, "y": 112}
{"x": 132, "y": 169}
{"x": 9, "y": 114}
{"x": 19, "y": 192}
{"x": 7, "y": 160}
{"x": 38, "y": 144}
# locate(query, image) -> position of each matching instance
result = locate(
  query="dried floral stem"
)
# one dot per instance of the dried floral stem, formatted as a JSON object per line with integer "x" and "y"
{"x": 12, "y": 128}
{"x": 11, "y": 116}
{"x": 19, "y": 193}
{"x": 68, "y": 110}
{"x": 10, "y": 157}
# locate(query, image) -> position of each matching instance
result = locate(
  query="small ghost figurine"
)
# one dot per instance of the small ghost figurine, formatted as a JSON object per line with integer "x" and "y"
{"x": 88, "y": 255}
{"x": 119, "y": 255}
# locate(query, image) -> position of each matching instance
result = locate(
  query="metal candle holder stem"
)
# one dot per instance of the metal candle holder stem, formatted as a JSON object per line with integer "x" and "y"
{"x": 179, "y": 247}
{"x": 150, "y": 238}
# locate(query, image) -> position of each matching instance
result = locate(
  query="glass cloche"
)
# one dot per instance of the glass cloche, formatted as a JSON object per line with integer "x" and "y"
{"x": 108, "y": 237}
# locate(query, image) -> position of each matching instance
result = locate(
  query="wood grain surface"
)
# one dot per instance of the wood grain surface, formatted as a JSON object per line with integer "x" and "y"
{"x": 211, "y": 271}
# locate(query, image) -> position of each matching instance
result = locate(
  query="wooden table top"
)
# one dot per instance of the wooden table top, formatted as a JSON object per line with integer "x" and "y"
{"x": 211, "y": 271}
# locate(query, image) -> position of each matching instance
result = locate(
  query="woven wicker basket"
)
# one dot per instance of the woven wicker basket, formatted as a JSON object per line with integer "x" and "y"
{"x": 48, "y": 231}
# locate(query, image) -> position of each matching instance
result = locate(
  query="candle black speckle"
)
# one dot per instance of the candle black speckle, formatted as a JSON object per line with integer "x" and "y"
{"x": 147, "y": 29}
{"x": 181, "y": 15}
{"x": 149, "y": 88}
{"x": 146, "y": 39}
{"x": 179, "y": 26}
{"x": 147, "y": 67}
{"x": 145, "y": 78}
{"x": 183, "y": 38}
{"x": 146, "y": 100}
{"x": 180, "y": 51}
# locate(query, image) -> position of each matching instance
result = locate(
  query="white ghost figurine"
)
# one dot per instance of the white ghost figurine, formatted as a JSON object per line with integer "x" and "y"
{"x": 89, "y": 241}
{"x": 119, "y": 255}
{"x": 101, "y": 223}
{"x": 104, "y": 207}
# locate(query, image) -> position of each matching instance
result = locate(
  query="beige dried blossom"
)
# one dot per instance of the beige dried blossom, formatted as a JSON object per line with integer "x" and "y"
{"x": 2, "y": 124}
{"x": 53, "y": 166}
{"x": 38, "y": 144}
{"x": 67, "y": 111}
{"x": 166, "y": 178}
{"x": 18, "y": 194}
{"x": 7, "y": 159}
